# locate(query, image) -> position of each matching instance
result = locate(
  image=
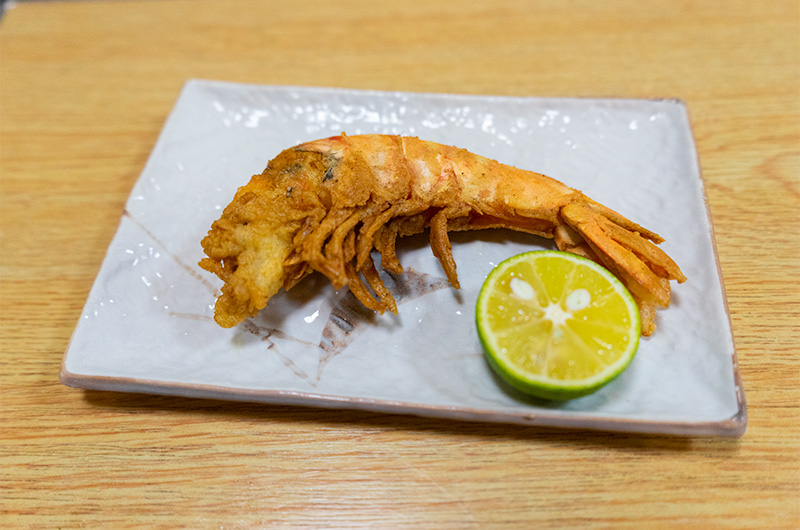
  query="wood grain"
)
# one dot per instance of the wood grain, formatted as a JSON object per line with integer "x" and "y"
{"x": 84, "y": 90}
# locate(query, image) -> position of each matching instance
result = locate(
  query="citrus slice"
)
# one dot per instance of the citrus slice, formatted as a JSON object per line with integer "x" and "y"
{"x": 555, "y": 325}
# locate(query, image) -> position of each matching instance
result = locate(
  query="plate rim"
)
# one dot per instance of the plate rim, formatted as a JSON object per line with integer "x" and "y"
{"x": 734, "y": 426}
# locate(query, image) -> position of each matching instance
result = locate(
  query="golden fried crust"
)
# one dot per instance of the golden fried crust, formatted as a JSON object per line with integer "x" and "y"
{"x": 248, "y": 245}
{"x": 326, "y": 205}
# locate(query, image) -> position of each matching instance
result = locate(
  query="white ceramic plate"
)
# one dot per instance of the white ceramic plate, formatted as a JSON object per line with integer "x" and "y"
{"x": 147, "y": 325}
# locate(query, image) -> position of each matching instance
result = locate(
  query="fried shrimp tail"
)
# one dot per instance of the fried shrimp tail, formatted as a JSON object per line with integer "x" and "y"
{"x": 326, "y": 205}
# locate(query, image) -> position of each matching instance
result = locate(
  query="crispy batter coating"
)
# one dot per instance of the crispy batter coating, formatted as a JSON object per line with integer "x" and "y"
{"x": 325, "y": 205}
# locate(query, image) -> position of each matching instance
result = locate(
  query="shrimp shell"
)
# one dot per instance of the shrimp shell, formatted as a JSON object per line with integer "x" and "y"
{"x": 326, "y": 205}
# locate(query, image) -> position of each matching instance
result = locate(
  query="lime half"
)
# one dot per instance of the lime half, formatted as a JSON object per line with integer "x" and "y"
{"x": 555, "y": 325}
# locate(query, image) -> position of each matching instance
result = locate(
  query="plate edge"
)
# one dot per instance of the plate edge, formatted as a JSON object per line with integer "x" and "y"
{"x": 199, "y": 82}
{"x": 741, "y": 401}
{"x": 728, "y": 427}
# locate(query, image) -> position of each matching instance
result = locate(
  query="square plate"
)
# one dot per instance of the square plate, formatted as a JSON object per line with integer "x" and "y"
{"x": 147, "y": 325}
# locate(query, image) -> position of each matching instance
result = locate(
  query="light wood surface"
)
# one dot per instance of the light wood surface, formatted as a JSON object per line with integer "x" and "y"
{"x": 84, "y": 91}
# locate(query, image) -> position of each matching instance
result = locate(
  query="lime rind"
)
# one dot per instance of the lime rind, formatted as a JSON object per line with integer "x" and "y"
{"x": 543, "y": 386}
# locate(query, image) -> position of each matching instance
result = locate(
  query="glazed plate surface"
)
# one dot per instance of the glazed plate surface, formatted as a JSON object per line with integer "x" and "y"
{"x": 147, "y": 324}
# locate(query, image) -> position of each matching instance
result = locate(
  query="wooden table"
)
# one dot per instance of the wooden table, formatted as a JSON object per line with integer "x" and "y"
{"x": 85, "y": 88}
